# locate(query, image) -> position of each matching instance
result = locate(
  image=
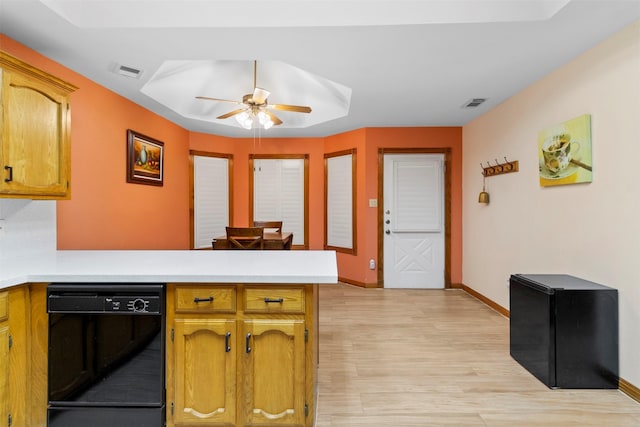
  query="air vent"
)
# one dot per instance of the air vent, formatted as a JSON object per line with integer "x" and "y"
{"x": 472, "y": 103}
{"x": 131, "y": 72}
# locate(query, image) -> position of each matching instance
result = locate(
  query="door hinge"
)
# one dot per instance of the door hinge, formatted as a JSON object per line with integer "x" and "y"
{"x": 9, "y": 420}
{"x": 10, "y": 341}
{"x": 172, "y": 333}
{"x": 306, "y": 409}
{"x": 306, "y": 335}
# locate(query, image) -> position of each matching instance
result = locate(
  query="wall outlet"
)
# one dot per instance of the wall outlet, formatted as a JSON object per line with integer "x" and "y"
{"x": 372, "y": 264}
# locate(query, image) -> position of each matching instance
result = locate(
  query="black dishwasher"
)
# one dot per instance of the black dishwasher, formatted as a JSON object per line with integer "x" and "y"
{"x": 564, "y": 330}
{"x": 106, "y": 355}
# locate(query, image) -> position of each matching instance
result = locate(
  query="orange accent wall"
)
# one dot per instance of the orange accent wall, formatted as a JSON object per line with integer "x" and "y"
{"x": 241, "y": 148}
{"x": 106, "y": 212}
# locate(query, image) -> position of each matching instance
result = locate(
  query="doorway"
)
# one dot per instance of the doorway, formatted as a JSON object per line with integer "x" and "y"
{"x": 413, "y": 219}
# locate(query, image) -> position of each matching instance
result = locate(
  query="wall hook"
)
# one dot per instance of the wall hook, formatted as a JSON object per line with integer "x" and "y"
{"x": 499, "y": 168}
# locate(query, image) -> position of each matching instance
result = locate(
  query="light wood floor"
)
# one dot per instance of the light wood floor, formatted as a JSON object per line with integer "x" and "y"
{"x": 398, "y": 358}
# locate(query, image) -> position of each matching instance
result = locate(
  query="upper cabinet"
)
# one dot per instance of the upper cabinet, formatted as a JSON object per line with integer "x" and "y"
{"x": 35, "y": 124}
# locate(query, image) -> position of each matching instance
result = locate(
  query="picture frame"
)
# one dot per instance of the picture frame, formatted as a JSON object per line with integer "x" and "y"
{"x": 145, "y": 159}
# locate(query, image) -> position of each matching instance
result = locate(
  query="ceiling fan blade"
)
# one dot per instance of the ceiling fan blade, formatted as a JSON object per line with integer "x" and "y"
{"x": 231, "y": 113}
{"x": 260, "y": 95}
{"x": 217, "y": 99}
{"x": 276, "y": 121}
{"x": 296, "y": 108}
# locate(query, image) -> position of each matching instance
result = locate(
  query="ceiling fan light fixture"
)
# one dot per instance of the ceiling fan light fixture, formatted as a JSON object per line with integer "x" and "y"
{"x": 245, "y": 119}
{"x": 265, "y": 120}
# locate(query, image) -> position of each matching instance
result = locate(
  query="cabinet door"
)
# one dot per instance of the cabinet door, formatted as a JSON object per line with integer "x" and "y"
{"x": 204, "y": 372}
{"x": 4, "y": 373}
{"x": 273, "y": 372}
{"x": 35, "y": 138}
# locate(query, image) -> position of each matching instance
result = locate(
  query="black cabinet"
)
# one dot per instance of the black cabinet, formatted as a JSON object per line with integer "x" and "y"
{"x": 564, "y": 330}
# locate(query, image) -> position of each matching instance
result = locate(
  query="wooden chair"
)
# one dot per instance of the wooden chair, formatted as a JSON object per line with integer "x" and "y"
{"x": 245, "y": 237}
{"x": 277, "y": 225}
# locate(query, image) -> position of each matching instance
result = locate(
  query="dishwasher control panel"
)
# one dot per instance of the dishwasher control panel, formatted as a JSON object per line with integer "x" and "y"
{"x": 100, "y": 298}
{"x": 144, "y": 304}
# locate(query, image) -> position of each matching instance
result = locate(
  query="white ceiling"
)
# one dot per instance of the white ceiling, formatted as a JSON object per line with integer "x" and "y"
{"x": 407, "y": 63}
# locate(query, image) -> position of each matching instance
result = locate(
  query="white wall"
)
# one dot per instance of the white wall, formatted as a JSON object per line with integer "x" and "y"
{"x": 27, "y": 227}
{"x": 587, "y": 230}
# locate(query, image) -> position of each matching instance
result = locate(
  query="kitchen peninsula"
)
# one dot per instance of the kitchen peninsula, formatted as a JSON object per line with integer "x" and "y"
{"x": 240, "y": 330}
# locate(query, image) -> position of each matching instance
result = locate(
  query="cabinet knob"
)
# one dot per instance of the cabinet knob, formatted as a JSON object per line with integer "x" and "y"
{"x": 227, "y": 347}
{"x": 10, "y": 169}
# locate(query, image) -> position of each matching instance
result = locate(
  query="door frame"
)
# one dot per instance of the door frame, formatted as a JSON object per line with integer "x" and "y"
{"x": 447, "y": 206}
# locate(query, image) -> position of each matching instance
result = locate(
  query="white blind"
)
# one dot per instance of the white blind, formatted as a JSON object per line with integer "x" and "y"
{"x": 279, "y": 194}
{"x": 340, "y": 201}
{"x": 210, "y": 199}
{"x": 418, "y": 196}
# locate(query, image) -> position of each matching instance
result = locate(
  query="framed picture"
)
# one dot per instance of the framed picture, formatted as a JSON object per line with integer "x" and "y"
{"x": 564, "y": 153}
{"x": 145, "y": 159}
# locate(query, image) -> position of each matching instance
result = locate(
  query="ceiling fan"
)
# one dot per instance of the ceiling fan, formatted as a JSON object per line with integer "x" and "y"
{"x": 255, "y": 107}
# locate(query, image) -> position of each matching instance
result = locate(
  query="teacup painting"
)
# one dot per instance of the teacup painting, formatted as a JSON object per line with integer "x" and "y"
{"x": 565, "y": 152}
{"x": 557, "y": 150}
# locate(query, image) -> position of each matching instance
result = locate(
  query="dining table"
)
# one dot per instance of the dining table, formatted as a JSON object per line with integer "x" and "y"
{"x": 272, "y": 240}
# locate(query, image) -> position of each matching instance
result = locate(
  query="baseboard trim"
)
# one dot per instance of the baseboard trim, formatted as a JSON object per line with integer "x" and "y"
{"x": 629, "y": 389}
{"x": 359, "y": 284}
{"x": 492, "y": 304}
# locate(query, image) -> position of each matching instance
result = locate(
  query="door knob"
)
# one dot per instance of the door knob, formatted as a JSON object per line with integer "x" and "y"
{"x": 388, "y": 232}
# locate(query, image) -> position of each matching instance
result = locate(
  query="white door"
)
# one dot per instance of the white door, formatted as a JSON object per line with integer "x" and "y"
{"x": 413, "y": 221}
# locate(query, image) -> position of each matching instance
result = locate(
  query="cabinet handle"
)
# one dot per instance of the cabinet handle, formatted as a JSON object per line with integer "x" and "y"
{"x": 10, "y": 169}
{"x": 199, "y": 300}
{"x": 247, "y": 342}
{"x": 227, "y": 347}
{"x": 270, "y": 300}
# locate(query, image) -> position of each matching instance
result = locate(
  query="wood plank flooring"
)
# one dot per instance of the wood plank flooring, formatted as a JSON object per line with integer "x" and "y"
{"x": 405, "y": 358}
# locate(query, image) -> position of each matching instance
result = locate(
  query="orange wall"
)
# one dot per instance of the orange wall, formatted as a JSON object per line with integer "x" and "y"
{"x": 106, "y": 212}
{"x": 241, "y": 148}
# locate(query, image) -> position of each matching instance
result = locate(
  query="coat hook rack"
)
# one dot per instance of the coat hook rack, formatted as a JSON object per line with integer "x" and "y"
{"x": 499, "y": 168}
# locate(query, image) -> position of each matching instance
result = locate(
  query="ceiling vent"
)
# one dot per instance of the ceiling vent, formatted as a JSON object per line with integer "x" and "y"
{"x": 475, "y": 102}
{"x": 130, "y": 72}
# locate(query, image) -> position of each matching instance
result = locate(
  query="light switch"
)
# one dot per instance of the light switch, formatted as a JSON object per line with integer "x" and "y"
{"x": 373, "y": 203}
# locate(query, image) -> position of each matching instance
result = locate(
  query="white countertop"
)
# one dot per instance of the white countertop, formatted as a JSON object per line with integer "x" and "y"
{"x": 145, "y": 266}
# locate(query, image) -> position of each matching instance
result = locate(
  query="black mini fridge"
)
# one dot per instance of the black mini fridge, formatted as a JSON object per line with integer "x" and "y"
{"x": 564, "y": 330}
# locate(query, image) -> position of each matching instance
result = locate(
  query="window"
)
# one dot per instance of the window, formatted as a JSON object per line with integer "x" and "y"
{"x": 279, "y": 193}
{"x": 340, "y": 189}
{"x": 211, "y": 193}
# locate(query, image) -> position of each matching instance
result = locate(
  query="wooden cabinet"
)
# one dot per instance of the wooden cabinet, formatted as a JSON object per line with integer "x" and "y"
{"x": 241, "y": 355}
{"x": 4, "y": 358}
{"x": 273, "y": 373}
{"x": 14, "y": 347}
{"x": 204, "y": 388}
{"x": 35, "y": 125}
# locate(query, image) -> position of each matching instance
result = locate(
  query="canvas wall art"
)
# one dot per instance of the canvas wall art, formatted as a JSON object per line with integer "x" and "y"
{"x": 564, "y": 152}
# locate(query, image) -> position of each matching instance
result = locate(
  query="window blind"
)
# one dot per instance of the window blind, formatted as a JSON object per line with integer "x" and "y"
{"x": 279, "y": 194}
{"x": 340, "y": 201}
{"x": 211, "y": 199}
